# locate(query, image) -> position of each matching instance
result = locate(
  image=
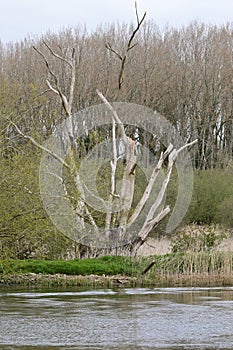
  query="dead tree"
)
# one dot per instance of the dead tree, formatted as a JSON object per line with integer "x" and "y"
{"x": 125, "y": 218}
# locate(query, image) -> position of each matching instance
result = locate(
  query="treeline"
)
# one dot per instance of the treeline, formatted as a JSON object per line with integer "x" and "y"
{"x": 185, "y": 74}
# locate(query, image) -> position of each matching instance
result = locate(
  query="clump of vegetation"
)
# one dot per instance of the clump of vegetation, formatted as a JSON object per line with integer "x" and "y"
{"x": 224, "y": 212}
{"x": 202, "y": 263}
{"x": 105, "y": 265}
{"x": 212, "y": 201}
{"x": 196, "y": 238}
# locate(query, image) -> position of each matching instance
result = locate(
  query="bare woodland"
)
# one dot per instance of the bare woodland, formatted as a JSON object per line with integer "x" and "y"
{"x": 186, "y": 75}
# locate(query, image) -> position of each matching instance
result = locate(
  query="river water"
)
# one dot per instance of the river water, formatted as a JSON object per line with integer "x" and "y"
{"x": 137, "y": 318}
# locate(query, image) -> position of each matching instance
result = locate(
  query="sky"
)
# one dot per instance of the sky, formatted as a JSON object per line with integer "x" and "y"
{"x": 23, "y": 18}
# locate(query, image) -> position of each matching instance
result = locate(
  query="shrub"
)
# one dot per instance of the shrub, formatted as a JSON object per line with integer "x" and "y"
{"x": 212, "y": 193}
{"x": 197, "y": 239}
{"x": 224, "y": 214}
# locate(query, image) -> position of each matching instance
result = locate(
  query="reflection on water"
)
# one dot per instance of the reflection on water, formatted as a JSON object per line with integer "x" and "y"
{"x": 160, "y": 318}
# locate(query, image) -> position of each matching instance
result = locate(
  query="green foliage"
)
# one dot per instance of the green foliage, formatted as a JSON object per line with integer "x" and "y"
{"x": 105, "y": 265}
{"x": 25, "y": 229}
{"x": 212, "y": 193}
{"x": 224, "y": 214}
{"x": 212, "y": 198}
{"x": 197, "y": 239}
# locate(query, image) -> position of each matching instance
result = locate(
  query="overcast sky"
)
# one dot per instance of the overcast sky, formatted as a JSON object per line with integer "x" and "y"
{"x": 20, "y": 18}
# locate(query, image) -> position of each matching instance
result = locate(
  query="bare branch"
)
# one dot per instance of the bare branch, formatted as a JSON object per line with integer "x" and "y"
{"x": 149, "y": 267}
{"x": 47, "y": 64}
{"x": 129, "y": 47}
{"x": 150, "y": 221}
{"x": 109, "y": 47}
{"x": 91, "y": 220}
{"x": 81, "y": 209}
{"x": 136, "y": 11}
{"x": 145, "y": 230}
{"x": 120, "y": 78}
{"x": 58, "y": 56}
{"x": 113, "y": 164}
{"x": 115, "y": 116}
{"x": 72, "y": 81}
{"x": 149, "y": 186}
{"x": 135, "y": 31}
{"x": 172, "y": 158}
{"x": 126, "y": 194}
{"x": 67, "y": 104}
{"x": 54, "y": 155}
{"x": 51, "y": 87}
{"x": 187, "y": 145}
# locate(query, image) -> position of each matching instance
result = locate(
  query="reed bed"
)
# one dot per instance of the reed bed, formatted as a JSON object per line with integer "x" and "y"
{"x": 193, "y": 269}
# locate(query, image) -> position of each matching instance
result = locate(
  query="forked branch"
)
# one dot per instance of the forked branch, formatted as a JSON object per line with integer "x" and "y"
{"x": 151, "y": 221}
{"x": 67, "y": 103}
{"x": 130, "y": 46}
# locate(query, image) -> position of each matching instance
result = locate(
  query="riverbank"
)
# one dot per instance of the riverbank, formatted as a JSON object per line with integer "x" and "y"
{"x": 62, "y": 280}
{"x": 182, "y": 269}
{"x": 118, "y": 281}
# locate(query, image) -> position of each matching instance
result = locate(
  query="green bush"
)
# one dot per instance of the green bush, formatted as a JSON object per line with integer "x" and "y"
{"x": 224, "y": 214}
{"x": 197, "y": 239}
{"x": 212, "y": 194}
{"x": 26, "y": 230}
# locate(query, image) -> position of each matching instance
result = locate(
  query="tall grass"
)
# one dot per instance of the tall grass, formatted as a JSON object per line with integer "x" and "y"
{"x": 202, "y": 263}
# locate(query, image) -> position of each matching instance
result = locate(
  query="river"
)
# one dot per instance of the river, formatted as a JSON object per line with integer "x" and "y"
{"x": 133, "y": 318}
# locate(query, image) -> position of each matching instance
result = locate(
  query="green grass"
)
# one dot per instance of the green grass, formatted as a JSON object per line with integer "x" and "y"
{"x": 105, "y": 265}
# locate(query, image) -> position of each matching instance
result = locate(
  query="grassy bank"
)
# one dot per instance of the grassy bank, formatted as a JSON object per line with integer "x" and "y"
{"x": 189, "y": 269}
